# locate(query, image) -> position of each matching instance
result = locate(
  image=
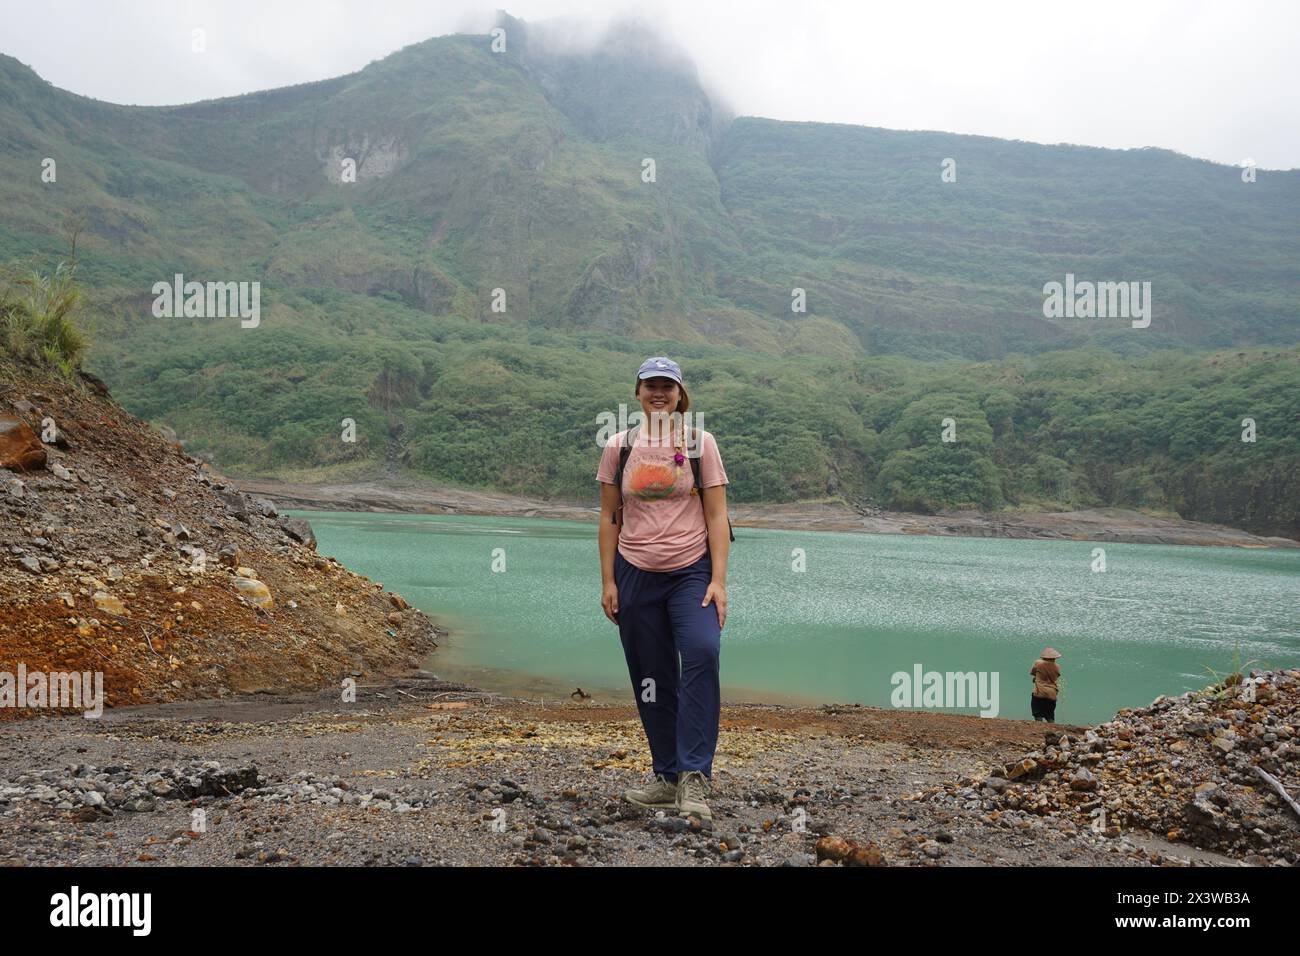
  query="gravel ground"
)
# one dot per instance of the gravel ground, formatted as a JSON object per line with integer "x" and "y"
{"x": 422, "y": 772}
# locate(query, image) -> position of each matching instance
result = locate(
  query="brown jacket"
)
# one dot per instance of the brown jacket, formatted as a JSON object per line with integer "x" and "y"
{"x": 1045, "y": 674}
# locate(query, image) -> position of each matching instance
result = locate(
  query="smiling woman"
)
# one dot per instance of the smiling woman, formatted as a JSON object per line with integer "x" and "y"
{"x": 662, "y": 567}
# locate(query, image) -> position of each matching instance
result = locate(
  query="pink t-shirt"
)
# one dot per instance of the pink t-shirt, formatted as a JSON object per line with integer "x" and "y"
{"x": 663, "y": 522}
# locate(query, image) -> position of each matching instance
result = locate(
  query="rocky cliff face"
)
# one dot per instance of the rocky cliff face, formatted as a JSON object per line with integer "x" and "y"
{"x": 120, "y": 553}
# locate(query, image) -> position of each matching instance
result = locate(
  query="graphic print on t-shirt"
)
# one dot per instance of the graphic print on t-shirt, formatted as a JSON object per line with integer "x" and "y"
{"x": 663, "y": 527}
{"x": 651, "y": 480}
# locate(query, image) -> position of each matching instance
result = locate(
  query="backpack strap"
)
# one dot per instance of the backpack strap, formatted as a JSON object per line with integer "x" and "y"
{"x": 625, "y": 449}
{"x": 699, "y": 486}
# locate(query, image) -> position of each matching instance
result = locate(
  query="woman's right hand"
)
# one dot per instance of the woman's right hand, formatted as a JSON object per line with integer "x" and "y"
{"x": 609, "y": 601}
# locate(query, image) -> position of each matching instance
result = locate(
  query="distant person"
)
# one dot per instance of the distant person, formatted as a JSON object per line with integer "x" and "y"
{"x": 663, "y": 567}
{"x": 1045, "y": 673}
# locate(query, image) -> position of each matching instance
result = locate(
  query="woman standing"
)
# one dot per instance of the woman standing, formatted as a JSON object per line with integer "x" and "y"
{"x": 663, "y": 568}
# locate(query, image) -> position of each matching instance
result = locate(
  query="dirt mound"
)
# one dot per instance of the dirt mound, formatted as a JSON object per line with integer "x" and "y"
{"x": 1194, "y": 769}
{"x": 121, "y": 554}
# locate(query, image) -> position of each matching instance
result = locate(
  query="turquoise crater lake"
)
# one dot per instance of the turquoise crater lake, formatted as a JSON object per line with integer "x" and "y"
{"x": 866, "y": 607}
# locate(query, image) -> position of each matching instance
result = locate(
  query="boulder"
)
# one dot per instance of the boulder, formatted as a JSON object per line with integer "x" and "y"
{"x": 997, "y": 784}
{"x": 1017, "y": 770}
{"x": 833, "y": 848}
{"x": 254, "y": 591}
{"x": 108, "y": 602}
{"x": 20, "y": 449}
{"x": 1083, "y": 779}
{"x": 236, "y": 504}
{"x": 299, "y": 530}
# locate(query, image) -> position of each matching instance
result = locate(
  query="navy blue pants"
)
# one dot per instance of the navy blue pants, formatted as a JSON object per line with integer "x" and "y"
{"x": 660, "y": 618}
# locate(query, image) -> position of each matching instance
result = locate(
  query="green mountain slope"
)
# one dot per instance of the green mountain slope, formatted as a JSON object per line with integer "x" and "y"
{"x": 918, "y": 265}
{"x": 522, "y": 172}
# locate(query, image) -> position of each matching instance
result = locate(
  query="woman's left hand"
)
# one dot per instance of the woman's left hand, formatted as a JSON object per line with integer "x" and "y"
{"x": 718, "y": 594}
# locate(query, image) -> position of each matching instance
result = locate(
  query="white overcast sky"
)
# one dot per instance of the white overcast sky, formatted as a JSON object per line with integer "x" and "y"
{"x": 1214, "y": 79}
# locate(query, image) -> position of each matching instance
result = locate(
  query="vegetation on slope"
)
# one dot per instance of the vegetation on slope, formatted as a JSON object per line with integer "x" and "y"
{"x": 522, "y": 172}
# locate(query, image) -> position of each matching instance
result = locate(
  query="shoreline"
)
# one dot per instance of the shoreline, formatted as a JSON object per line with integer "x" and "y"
{"x": 1114, "y": 525}
{"x": 525, "y": 686}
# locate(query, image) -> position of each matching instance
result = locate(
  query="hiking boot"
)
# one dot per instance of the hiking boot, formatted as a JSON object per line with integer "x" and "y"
{"x": 692, "y": 788}
{"x": 660, "y": 795}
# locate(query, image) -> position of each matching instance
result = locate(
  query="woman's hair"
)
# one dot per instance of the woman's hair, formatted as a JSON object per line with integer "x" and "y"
{"x": 683, "y": 400}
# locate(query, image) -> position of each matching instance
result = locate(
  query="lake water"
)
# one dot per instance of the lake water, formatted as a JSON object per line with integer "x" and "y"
{"x": 865, "y": 608}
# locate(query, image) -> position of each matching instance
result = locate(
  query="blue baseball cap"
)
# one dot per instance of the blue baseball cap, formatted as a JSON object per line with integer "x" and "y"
{"x": 660, "y": 366}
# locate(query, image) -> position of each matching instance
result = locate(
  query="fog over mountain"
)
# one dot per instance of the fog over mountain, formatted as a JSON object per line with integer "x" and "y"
{"x": 1215, "y": 80}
